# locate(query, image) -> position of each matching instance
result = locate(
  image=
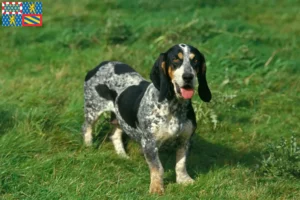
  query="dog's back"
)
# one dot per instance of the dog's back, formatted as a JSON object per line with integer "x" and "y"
{"x": 114, "y": 75}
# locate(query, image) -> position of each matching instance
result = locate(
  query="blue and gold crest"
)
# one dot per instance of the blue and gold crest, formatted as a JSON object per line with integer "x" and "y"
{"x": 11, "y": 20}
{"x": 22, "y": 13}
{"x": 32, "y": 8}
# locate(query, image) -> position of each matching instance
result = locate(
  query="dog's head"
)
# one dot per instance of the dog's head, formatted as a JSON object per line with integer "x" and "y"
{"x": 175, "y": 72}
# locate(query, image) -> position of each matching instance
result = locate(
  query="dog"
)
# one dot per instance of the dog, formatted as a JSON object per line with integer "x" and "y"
{"x": 150, "y": 113}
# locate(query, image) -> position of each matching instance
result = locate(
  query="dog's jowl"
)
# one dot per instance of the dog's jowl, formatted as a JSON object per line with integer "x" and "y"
{"x": 149, "y": 112}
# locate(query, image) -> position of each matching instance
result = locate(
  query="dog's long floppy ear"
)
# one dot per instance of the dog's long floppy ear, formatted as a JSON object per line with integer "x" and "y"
{"x": 203, "y": 89}
{"x": 159, "y": 77}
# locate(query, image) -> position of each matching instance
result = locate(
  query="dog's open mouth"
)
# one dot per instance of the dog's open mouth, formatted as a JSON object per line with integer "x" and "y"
{"x": 185, "y": 92}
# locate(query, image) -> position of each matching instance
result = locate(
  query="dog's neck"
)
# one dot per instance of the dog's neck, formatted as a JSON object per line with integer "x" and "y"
{"x": 178, "y": 105}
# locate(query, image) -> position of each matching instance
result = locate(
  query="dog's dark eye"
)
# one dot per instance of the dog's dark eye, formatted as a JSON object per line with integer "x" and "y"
{"x": 194, "y": 61}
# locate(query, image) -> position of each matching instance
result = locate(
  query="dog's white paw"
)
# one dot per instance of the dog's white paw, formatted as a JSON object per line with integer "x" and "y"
{"x": 184, "y": 179}
{"x": 123, "y": 155}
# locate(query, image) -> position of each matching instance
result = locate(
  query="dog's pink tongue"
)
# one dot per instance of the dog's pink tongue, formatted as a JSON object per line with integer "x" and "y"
{"x": 187, "y": 93}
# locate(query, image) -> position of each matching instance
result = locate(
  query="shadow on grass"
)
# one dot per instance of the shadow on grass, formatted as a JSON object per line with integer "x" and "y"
{"x": 204, "y": 156}
{"x": 6, "y": 120}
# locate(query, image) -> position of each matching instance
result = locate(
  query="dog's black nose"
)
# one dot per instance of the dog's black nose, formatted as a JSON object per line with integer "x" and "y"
{"x": 188, "y": 77}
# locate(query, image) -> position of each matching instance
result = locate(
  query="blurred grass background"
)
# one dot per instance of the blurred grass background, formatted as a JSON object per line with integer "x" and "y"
{"x": 252, "y": 52}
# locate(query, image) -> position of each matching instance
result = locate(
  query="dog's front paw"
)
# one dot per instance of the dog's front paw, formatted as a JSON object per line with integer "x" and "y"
{"x": 156, "y": 187}
{"x": 184, "y": 179}
{"x": 124, "y": 155}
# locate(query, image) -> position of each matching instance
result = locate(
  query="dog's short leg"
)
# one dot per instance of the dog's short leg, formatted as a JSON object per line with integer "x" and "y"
{"x": 181, "y": 173}
{"x": 116, "y": 139}
{"x": 87, "y": 133}
{"x": 87, "y": 128}
{"x": 156, "y": 169}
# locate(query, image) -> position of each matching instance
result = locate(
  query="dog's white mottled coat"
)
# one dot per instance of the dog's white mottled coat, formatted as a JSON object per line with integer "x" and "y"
{"x": 150, "y": 113}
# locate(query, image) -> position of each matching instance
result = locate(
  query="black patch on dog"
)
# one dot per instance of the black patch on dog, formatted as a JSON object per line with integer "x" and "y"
{"x": 123, "y": 68}
{"x": 106, "y": 93}
{"x": 92, "y": 73}
{"x": 191, "y": 114}
{"x": 129, "y": 102}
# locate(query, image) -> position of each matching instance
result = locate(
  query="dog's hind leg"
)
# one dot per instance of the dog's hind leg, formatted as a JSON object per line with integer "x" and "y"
{"x": 116, "y": 139}
{"x": 87, "y": 133}
{"x": 92, "y": 111}
{"x": 87, "y": 127}
{"x": 97, "y": 99}
{"x": 116, "y": 136}
{"x": 93, "y": 108}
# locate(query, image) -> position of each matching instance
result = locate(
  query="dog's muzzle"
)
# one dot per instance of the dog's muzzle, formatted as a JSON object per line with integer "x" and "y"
{"x": 186, "y": 92}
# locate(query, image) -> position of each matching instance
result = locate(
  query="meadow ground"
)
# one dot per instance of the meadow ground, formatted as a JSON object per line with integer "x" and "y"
{"x": 252, "y": 51}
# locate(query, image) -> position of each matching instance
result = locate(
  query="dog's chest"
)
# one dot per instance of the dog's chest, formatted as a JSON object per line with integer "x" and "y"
{"x": 167, "y": 124}
{"x": 168, "y": 130}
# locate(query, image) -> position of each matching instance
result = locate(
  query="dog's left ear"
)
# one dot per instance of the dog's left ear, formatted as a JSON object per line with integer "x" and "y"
{"x": 159, "y": 77}
{"x": 203, "y": 88}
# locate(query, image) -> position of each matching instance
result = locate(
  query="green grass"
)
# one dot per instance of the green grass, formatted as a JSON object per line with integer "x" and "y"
{"x": 252, "y": 52}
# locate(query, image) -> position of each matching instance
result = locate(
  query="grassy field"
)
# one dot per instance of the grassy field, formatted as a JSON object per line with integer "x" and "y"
{"x": 252, "y": 52}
